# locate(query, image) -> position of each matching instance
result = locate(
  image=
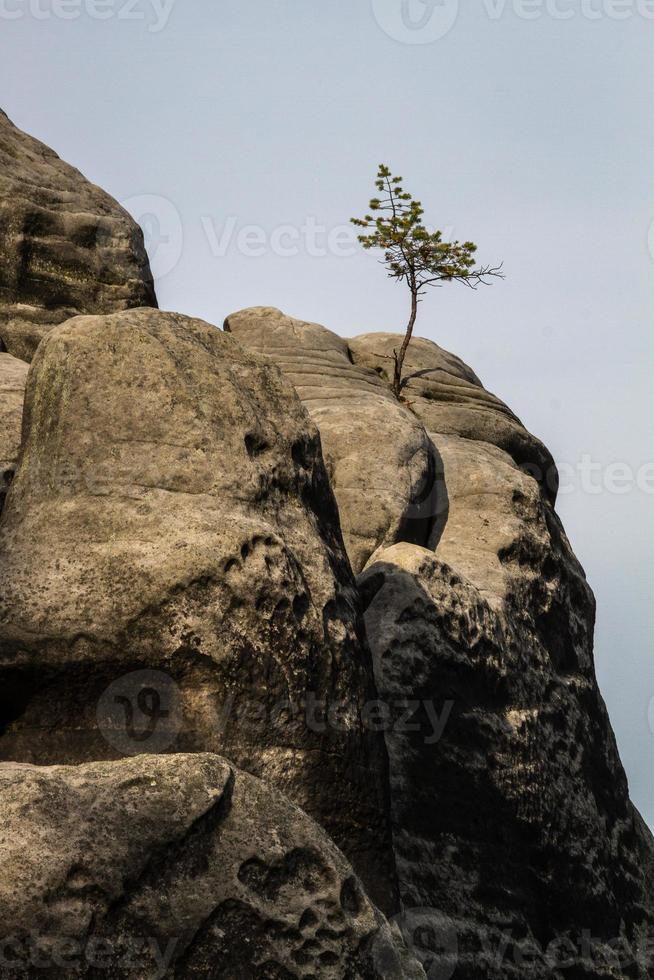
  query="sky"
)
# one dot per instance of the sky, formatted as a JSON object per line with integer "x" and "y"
{"x": 244, "y": 135}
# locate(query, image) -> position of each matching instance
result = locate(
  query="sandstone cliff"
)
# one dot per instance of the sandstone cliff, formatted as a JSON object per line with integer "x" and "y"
{"x": 513, "y": 832}
{"x": 220, "y": 752}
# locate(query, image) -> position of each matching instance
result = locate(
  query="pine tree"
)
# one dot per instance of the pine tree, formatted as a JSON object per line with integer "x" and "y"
{"x": 414, "y": 255}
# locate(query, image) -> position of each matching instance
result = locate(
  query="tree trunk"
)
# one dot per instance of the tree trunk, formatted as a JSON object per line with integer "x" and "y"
{"x": 401, "y": 354}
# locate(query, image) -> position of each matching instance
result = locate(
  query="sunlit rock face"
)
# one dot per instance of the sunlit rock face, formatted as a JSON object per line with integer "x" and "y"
{"x": 380, "y": 460}
{"x": 178, "y": 866}
{"x": 66, "y": 247}
{"x": 171, "y": 521}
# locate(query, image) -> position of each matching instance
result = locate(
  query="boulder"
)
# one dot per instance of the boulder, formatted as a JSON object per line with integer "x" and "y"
{"x": 514, "y": 836}
{"x": 13, "y": 377}
{"x": 174, "y": 575}
{"x": 177, "y": 866}
{"x": 66, "y": 247}
{"x": 381, "y": 464}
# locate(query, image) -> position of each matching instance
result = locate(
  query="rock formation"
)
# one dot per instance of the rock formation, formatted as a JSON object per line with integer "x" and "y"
{"x": 171, "y": 513}
{"x": 448, "y": 397}
{"x": 66, "y": 247}
{"x": 186, "y": 657}
{"x": 177, "y": 866}
{"x": 383, "y": 497}
{"x": 514, "y": 836}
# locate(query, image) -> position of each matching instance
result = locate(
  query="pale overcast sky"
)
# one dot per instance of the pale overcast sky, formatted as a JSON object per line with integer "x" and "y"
{"x": 252, "y": 131}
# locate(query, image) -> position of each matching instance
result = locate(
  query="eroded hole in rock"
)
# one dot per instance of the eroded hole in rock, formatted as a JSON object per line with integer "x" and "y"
{"x": 552, "y": 627}
{"x": 88, "y": 235}
{"x": 255, "y": 444}
{"x": 308, "y": 919}
{"x": 427, "y": 515}
{"x": 218, "y": 950}
{"x": 301, "y": 606}
{"x": 301, "y": 867}
{"x": 350, "y": 898}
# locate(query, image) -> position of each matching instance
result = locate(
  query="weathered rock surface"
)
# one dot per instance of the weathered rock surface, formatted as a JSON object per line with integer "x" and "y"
{"x": 13, "y": 376}
{"x": 66, "y": 247}
{"x": 513, "y": 832}
{"x": 448, "y": 397}
{"x": 383, "y": 496}
{"x": 511, "y": 813}
{"x": 174, "y": 580}
{"x": 171, "y": 514}
{"x": 177, "y": 866}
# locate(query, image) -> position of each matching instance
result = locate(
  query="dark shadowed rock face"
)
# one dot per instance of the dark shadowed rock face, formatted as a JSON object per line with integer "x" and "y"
{"x": 66, "y": 247}
{"x": 509, "y": 803}
{"x": 177, "y": 866}
{"x": 13, "y": 376}
{"x": 170, "y": 531}
{"x": 383, "y": 496}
